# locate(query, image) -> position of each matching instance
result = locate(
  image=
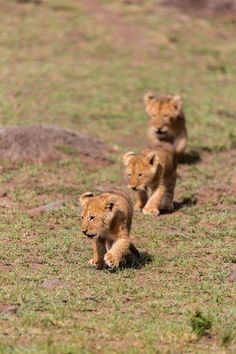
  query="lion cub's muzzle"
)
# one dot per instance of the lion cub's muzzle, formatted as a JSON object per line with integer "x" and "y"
{"x": 137, "y": 188}
{"x": 160, "y": 132}
{"x": 134, "y": 188}
{"x": 88, "y": 234}
{"x": 91, "y": 235}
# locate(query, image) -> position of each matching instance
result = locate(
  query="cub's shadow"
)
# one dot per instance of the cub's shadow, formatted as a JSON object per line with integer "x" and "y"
{"x": 137, "y": 263}
{"x": 190, "y": 158}
{"x": 186, "y": 202}
{"x": 133, "y": 262}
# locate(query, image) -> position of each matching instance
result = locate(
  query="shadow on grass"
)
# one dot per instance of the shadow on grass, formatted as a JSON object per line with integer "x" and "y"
{"x": 186, "y": 202}
{"x": 37, "y": 2}
{"x": 134, "y": 262}
{"x": 190, "y": 158}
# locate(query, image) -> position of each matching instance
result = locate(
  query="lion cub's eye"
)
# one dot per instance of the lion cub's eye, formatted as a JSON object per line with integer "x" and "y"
{"x": 92, "y": 217}
{"x": 140, "y": 174}
{"x": 81, "y": 217}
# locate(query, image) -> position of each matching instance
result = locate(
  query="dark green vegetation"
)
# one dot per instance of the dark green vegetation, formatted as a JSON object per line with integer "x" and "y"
{"x": 200, "y": 324}
{"x": 86, "y": 67}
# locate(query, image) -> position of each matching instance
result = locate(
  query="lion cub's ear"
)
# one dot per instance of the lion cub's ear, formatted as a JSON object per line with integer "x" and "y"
{"x": 84, "y": 197}
{"x": 176, "y": 102}
{"x": 148, "y": 98}
{"x": 152, "y": 158}
{"x": 127, "y": 157}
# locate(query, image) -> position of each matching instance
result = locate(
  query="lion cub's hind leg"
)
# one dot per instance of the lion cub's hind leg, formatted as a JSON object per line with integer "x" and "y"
{"x": 134, "y": 250}
{"x": 167, "y": 201}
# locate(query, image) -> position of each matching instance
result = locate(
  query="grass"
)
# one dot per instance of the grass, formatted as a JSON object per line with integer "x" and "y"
{"x": 60, "y": 65}
{"x": 200, "y": 324}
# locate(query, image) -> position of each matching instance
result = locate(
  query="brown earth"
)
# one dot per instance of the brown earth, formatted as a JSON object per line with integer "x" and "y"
{"x": 55, "y": 283}
{"x": 46, "y": 208}
{"x": 203, "y": 7}
{"x": 46, "y": 143}
{"x": 217, "y": 192}
{"x": 124, "y": 34}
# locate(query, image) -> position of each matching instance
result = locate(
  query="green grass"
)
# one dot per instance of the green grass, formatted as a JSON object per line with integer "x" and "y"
{"x": 200, "y": 324}
{"x": 60, "y": 65}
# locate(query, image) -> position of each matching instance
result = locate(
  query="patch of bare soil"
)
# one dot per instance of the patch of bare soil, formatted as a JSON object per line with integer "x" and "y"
{"x": 121, "y": 29}
{"x": 232, "y": 276}
{"x": 221, "y": 183}
{"x": 47, "y": 143}
{"x": 8, "y": 309}
{"x": 6, "y": 202}
{"x": 118, "y": 25}
{"x": 56, "y": 283}
{"x": 46, "y": 208}
{"x": 203, "y": 7}
{"x": 224, "y": 186}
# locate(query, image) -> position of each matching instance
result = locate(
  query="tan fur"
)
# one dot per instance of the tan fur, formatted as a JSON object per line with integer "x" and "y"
{"x": 152, "y": 174}
{"x": 167, "y": 121}
{"x": 107, "y": 219}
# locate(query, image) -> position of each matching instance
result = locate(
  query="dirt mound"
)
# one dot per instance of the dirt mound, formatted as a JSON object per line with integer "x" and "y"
{"x": 47, "y": 143}
{"x": 204, "y": 7}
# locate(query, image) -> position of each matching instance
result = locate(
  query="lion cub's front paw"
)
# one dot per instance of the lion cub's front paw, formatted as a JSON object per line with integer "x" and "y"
{"x": 95, "y": 263}
{"x": 151, "y": 211}
{"x": 110, "y": 261}
{"x": 137, "y": 207}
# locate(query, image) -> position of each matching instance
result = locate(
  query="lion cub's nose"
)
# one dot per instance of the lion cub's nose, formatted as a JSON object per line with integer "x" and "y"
{"x": 84, "y": 232}
{"x": 134, "y": 188}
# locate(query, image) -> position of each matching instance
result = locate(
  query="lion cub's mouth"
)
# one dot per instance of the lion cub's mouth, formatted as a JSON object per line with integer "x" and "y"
{"x": 160, "y": 132}
{"x": 91, "y": 235}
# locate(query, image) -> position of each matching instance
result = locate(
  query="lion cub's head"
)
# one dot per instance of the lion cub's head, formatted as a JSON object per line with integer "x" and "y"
{"x": 163, "y": 112}
{"x": 141, "y": 168}
{"x": 97, "y": 213}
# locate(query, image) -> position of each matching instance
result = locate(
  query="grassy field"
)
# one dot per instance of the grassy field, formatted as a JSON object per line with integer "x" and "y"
{"x": 85, "y": 65}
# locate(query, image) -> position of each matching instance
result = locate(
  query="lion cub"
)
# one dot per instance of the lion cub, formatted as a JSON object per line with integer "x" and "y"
{"x": 152, "y": 175}
{"x": 167, "y": 121}
{"x": 106, "y": 219}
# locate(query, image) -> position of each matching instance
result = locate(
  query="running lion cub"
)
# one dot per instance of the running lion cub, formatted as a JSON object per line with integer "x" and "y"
{"x": 107, "y": 219}
{"x": 167, "y": 121}
{"x": 152, "y": 175}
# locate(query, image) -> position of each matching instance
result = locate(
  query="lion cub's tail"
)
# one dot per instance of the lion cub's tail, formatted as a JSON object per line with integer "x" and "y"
{"x": 134, "y": 250}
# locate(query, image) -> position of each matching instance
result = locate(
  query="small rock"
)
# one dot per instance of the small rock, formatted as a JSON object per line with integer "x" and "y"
{"x": 128, "y": 299}
{"x": 8, "y": 309}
